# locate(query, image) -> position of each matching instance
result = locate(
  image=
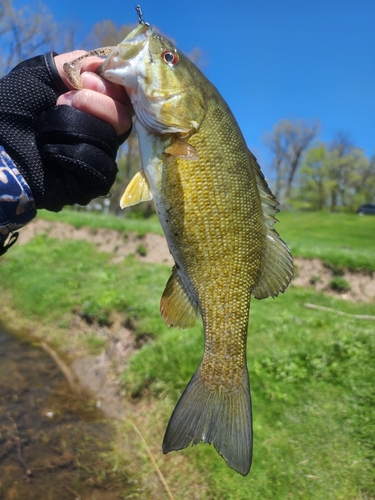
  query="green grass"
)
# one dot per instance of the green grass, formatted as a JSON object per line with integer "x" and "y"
{"x": 313, "y": 399}
{"x": 312, "y": 372}
{"x": 339, "y": 284}
{"x": 339, "y": 240}
{"x": 127, "y": 223}
{"x": 49, "y": 278}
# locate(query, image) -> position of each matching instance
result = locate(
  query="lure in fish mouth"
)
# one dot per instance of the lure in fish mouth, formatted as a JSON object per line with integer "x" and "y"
{"x": 217, "y": 213}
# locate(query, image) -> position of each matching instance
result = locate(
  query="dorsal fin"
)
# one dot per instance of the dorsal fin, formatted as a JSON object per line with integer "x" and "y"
{"x": 276, "y": 267}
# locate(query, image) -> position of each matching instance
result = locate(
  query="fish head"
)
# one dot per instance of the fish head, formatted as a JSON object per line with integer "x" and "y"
{"x": 160, "y": 81}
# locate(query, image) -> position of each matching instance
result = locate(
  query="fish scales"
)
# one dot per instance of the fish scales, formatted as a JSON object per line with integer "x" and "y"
{"x": 213, "y": 242}
{"x": 217, "y": 214}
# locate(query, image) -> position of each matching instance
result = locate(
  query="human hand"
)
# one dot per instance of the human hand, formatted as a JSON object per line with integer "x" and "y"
{"x": 65, "y": 154}
{"x": 98, "y": 97}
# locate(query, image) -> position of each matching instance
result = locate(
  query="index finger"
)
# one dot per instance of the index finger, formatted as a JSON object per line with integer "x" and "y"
{"x": 89, "y": 63}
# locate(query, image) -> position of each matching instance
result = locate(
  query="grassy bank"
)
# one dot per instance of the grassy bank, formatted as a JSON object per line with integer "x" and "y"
{"x": 339, "y": 240}
{"x": 311, "y": 372}
{"x": 78, "y": 219}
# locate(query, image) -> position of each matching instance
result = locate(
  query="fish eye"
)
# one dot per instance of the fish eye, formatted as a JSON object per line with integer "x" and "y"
{"x": 171, "y": 58}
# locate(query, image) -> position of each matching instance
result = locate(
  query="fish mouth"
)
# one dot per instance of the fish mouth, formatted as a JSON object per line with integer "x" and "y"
{"x": 124, "y": 58}
{"x": 108, "y": 62}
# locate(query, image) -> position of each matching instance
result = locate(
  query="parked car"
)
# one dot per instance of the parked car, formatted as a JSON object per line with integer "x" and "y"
{"x": 368, "y": 209}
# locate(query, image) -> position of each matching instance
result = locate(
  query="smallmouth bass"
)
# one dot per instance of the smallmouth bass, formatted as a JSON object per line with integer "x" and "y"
{"x": 217, "y": 214}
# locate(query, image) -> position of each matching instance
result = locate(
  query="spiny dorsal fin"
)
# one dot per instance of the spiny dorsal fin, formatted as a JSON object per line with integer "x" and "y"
{"x": 276, "y": 268}
{"x": 182, "y": 149}
{"x": 137, "y": 190}
{"x": 177, "y": 307}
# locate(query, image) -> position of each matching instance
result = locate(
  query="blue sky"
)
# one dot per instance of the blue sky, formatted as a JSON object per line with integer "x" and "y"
{"x": 270, "y": 59}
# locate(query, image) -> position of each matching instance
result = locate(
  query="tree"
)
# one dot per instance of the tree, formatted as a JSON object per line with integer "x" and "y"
{"x": 335, "y": 177}
{"x": 352, "y": 173}
{"x": 106, "y": 34}
{"x": 313, "y": 181}
{"x": 24, "y": 32}
{"x": 361, "y": 180}
{"x": 288, "y": 142}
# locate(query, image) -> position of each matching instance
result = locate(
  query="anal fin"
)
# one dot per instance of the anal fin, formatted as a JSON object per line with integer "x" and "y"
{"x": 177, "y": 307}
{"x": 137, "y": 191}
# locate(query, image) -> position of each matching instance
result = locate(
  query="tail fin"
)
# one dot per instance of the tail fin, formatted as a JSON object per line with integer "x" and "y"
{"x": 218, "y": 417}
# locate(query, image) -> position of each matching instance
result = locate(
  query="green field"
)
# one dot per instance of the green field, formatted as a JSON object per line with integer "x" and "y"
{"x": 79, "y": 219}
{"x": 312, "y": 372}
{"x": 340, "y": 240}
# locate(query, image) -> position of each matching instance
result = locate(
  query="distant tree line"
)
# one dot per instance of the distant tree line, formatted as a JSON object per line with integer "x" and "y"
{"x": 313, "y": 175}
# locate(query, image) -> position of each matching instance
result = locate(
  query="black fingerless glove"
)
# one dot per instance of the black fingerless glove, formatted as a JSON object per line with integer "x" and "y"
{"x": 65, "y": 155}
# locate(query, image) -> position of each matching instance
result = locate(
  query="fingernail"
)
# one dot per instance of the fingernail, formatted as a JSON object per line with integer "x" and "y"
{"x": 66, "y": 98}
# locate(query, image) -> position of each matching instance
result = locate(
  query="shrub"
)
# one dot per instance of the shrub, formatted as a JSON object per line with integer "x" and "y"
{"x": 339, "y": 284}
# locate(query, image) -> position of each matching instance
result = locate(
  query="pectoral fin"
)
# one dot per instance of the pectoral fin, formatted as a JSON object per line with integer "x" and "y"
{"x": 137, "y": 190}
{"x": 182, "y": 149}
{"x": 177, "y": 307}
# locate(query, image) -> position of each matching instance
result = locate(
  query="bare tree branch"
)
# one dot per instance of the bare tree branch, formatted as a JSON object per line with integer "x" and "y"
{"x": 24, "y": 33}
{"x": 288, "y": 142}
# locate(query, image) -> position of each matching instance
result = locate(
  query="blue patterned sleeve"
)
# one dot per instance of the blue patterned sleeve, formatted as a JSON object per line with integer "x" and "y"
{"x": 17, "y": 206}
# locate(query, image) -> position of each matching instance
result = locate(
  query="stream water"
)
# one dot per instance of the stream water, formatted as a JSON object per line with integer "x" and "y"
{"x": 52, "y": 442}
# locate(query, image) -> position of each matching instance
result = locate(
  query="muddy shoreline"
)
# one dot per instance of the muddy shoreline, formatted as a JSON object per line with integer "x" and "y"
{"x": 50, "y": 437}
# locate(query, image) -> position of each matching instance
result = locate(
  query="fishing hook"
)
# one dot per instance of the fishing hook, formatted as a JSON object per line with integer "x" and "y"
{"x": 140, "y": 16}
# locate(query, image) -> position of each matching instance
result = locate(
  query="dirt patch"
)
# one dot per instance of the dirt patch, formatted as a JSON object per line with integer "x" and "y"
{"x": 312, "y": 273}
{"x": 101, "y": 374}
{"x": 152, "y": 248}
